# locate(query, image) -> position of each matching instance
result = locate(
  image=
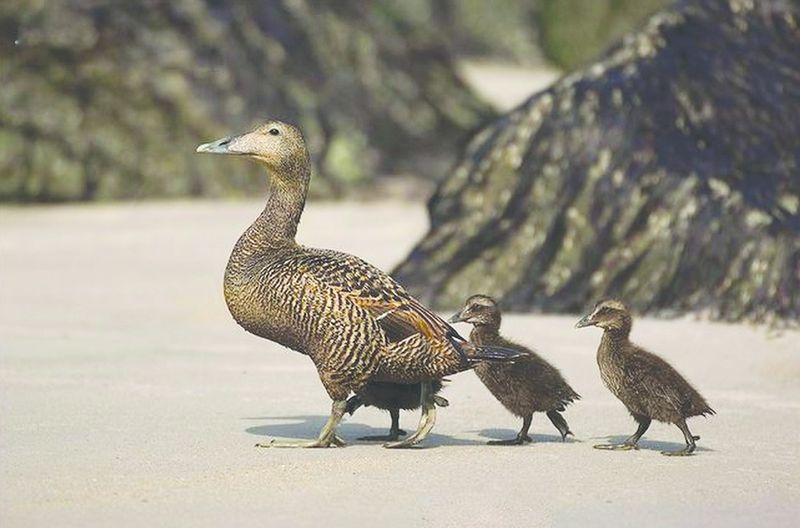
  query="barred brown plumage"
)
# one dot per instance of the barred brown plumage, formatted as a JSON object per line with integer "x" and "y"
{"x": 354, "y": 321}
{"x": 527, "y": 386}
{"x": 649, "y": 387}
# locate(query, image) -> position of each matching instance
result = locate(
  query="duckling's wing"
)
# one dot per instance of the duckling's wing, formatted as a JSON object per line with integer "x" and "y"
{"x": 658, "y": 378}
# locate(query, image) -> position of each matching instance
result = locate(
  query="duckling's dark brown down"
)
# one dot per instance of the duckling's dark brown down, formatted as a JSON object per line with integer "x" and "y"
{"x": 392, "y": 397}
{"x": 649, "y": 387}
{"x": 354, "y": 321}
{"x": 527, "y": 386}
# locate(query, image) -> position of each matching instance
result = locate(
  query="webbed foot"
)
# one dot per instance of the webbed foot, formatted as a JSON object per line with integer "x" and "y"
{"x": 518, "y": 440}
{"x": 426, "y": 422}
{"x": 333, "y": 442}
{"x": 327, "y": 436}
{"x": 391, "y": 437}
{"x": 686, "y": 451}
{"x": 616, "y": 447}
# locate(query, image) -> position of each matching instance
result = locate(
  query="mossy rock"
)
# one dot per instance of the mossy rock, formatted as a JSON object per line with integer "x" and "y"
{"x": 665, "y": 173}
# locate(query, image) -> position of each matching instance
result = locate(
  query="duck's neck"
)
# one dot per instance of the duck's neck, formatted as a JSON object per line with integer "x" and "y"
{"x": 485, "y": 333}
{"x": 619, "y": 333}
{"x": 276, "y": 226}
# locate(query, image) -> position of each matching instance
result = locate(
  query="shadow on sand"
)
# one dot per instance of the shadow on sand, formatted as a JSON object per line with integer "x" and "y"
{"x": 505, "y": 434}
{"x": 644, "y": 443}
{"x": 308, "y": 426}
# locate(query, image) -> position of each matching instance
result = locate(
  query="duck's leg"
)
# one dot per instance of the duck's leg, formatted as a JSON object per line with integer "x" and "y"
{"x": 327, "y": 436}
{"x": 394, "y": 431}
{"x": 521, "y": 438}
{"x": 426, "y": 422}
{"x": 630, "y": 443}
{"x": 690, "y": 439}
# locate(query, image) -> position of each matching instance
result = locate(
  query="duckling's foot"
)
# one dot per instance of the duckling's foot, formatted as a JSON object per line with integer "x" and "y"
{"x": 690, "y": 441}
{"x": 518, "y": 440}
{"x": 616, "y": 447}
{"x": 426, "y": 422}
{"x": 686, "y": 451}
{"x": 391, "y": 437}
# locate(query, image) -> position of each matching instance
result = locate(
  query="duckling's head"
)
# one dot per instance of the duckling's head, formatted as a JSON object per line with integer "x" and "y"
{"x": 277, "y": 145}
{"x": 479, "y": 310}
{"x": 610, "y": 314}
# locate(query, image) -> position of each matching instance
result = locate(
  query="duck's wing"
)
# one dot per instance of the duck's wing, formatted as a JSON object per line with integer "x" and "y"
{"x": 399, "y": 315}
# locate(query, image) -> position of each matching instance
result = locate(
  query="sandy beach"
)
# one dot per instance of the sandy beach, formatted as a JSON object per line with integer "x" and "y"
{"x": 129, "y": 397}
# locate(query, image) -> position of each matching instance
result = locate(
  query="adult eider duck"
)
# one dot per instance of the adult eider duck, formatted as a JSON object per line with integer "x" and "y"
{"x": 393, "y": 397}
{"x": 351, "y": 319}
{"x": 646, "y": 384}
{"x": 527, "y": 386}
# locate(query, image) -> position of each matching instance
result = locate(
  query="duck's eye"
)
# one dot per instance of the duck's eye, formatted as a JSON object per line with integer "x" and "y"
{"x": 274, "y": 131}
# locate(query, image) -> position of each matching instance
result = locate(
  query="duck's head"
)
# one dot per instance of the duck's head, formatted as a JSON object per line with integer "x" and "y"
{"x": 610, "y": 314}
{"x": 479, "y": 310}
{"x": 277, "y": 145}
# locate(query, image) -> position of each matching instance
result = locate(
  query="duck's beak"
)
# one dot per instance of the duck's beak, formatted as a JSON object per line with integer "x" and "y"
{"x": 586, "y": 321}
{"x": 456, "y": 318}
{"x": 220, "y": 146}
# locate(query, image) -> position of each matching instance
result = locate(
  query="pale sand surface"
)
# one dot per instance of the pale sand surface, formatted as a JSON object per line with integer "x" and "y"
{"x": 128, "y": 397}
{"x": 506, "y": 85}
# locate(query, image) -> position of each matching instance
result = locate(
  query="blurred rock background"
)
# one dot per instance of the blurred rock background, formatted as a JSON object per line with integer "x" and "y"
{"x": 661, "y": 166}
{"x": 105, "y": 99}
{"x": 666, "y": 172}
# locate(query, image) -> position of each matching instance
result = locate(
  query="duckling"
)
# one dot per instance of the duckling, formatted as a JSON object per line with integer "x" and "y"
{"x": 646, "y": 384}
{"x": 351, "y": 319}
{"x": 392, "y": 397}
{"x": 529, "y": 385}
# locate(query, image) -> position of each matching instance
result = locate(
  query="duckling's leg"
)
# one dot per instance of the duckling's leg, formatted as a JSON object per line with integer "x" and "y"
{"x": 394, "y": 431}
{"x": 426, "y": 422}
{"x": 688, "y": 436}
{"x": 327, "y": 436}
{"x": 521, "y": 438}
{"x": 630, "y": 443}
{"x": 561, "y": 424}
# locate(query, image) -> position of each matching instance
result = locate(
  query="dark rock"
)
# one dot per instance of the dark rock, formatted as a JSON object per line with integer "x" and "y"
{"x": 667, "y": 173}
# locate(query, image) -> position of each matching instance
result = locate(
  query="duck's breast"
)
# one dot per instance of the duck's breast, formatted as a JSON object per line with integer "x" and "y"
{"x": 268, "y": 298}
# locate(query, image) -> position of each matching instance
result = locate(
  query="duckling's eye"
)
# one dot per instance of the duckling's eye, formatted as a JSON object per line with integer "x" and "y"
{"x": 274, "y": 131}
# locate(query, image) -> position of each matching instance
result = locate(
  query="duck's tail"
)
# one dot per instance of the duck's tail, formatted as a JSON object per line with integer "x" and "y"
{"x": 493, "y": 354}
{"x": 475, "y": 354}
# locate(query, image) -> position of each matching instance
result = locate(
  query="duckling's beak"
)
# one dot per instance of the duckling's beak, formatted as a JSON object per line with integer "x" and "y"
{"x": 220, "y": 146}
{"x": 586, "y": 321}
{"x": 455, "y": 318}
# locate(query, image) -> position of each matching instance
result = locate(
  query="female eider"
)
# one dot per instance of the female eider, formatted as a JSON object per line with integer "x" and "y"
{"x": 354, "y": 321}
{"x": 646, "y": 384}
{"x": 529, "y": 385}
